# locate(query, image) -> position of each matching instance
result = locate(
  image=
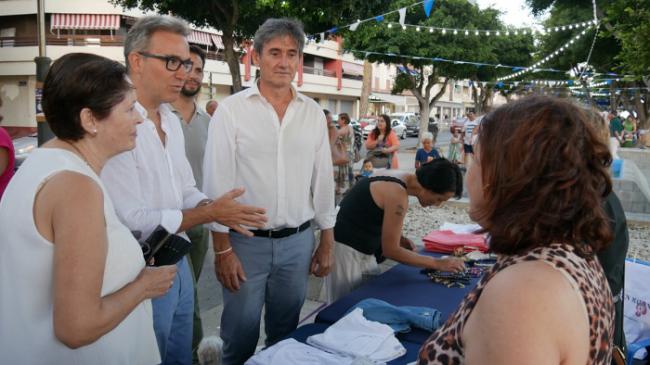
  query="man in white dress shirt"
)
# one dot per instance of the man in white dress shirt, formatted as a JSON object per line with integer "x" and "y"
{"x": 273, "y": 141}
{"x": 152, "y": 185}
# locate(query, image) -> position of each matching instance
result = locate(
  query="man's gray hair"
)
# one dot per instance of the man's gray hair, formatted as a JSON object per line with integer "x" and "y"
{"x": 140, "y": 34}
{"x": 274, "y": 27}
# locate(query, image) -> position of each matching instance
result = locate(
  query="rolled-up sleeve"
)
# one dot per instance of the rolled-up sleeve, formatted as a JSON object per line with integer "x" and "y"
{"x": 219, "y": 167}
{"x": 322, "y": 183}
{"x": 120, "y": 177}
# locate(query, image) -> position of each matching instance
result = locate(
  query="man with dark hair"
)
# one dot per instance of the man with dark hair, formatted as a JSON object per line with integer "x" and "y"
{"x": 194, "y": 123}
{"x": 272, "y": 140}
{"x": 152, "y": 185}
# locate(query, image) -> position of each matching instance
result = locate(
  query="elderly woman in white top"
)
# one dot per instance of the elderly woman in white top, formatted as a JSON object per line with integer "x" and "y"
{"x": 74, "y": 288}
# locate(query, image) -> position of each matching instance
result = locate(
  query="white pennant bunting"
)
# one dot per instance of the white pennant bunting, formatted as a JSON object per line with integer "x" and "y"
{"x": 355, "y": 25}
{"x": 402, "y": 16}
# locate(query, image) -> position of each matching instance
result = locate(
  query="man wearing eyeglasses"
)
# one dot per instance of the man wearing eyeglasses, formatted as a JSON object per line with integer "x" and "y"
{"x": 153, "y": 185}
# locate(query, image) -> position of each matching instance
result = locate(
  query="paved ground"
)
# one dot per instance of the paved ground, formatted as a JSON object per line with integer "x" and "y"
{"x": 419, "y": 221}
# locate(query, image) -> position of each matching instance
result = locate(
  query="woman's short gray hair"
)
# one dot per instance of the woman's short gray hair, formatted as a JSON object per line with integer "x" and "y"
{"x": 140, "y": 34}
{"x": 427, "y": 136}
{"x": 279, "y": 27}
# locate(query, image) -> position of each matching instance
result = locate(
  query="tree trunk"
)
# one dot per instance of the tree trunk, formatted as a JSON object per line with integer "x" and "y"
{"x": 486, "y": 99}
{"x": 232, "y": 59}
{"x": 477, "y": 104}
{"x": 640, "y": 107}
{"x": 366, "y": 88}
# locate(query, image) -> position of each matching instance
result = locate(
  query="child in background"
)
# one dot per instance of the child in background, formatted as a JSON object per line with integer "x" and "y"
{"x": 427, "y": 153}
{"x": 366, "y": 170}
{"x": 454, "y": 146}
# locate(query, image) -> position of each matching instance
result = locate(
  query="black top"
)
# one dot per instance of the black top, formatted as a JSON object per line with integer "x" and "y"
{"x": 360, "y": 220}
{"x": 613, "y": 257}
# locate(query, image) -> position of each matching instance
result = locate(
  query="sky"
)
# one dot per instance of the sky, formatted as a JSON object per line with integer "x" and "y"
{"x": 515, "y": 12}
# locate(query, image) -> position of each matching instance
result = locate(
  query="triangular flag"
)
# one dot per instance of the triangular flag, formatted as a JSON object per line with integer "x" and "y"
{"x": 354, "y": 26}
{"x": 402, "y": 16}
{"x": 428, "y": 4}
{"x": 379, "y": 18}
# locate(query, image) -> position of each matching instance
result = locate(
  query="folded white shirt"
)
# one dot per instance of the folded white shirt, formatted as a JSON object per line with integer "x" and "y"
{"x": 354, "y": 336}
{"x": 292, "y": 352}
{"x": 460, "y": 228}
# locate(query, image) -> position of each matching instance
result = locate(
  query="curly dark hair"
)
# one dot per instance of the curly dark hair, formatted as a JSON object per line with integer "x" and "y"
{"x": 375, "y": 132}
{"x": 545, "y": 175}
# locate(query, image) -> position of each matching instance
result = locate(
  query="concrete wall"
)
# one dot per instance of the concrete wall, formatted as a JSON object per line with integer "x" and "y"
{"x": 632, "y": 188}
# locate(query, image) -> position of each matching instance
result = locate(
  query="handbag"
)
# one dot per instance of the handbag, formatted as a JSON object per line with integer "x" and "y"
{"x": 339, "y": 154}
{"x": 379, "y": 159}
{"x": 164, "y": 247}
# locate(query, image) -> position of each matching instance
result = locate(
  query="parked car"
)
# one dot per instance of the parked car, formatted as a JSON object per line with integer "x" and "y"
{"x": 364, "y": 121}
{"x": 398, "y": 127}
{"x": 23, "y": 146}
{"x": 410, "y": 120}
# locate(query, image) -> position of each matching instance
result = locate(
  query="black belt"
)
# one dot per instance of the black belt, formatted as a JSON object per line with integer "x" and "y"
{"x": 281, "y": 233}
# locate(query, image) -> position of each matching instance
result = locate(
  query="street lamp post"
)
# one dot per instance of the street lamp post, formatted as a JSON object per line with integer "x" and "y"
{"x": 42, "y": 66}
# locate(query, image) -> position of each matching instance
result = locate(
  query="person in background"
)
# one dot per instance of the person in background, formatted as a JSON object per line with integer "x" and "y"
{"x": 427, "y": 153}
{"x": 194, "y": 123}
{"x": 546, "y": 300}
{"x": 468, "y": 129}
{"x": 629, "y": 131}
{"x": 345, "y": 137}
{"x": 366, "y": 169}
{"x": 7, "y": 157}
{"x": 455, "y": 145}
{"x": 211, "y": 106}
{"x": 153, "y": 186}
{"x": 274, "y": 141}
{"x": 382, "y": 138}
{"x": 72, "y": 277}
{"x": 613, "y": 257}
{"x": 369, "y": 223}
{"x": 615, "y": 128}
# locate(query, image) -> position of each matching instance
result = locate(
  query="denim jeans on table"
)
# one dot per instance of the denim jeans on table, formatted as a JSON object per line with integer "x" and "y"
{"x": 173, "y": 316}
{"x": 277, "y": 272}
{"x": 399, "y": 318}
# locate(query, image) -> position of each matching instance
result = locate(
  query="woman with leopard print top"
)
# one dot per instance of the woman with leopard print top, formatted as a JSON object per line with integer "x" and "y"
{"x": 536, "y": 185}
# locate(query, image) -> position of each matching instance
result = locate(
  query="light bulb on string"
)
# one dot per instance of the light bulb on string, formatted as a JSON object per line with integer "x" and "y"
{"x": 444, "y": 31}
{"x": 455, "y": 31}
{"x": 466, "y": 32}
{"x": 430, "y": 30}
{"x": 390, "y": 25}
{"x": 417, "y": 29}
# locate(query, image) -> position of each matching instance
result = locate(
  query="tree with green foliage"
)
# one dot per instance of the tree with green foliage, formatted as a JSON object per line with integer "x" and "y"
{"x": 239, "y": 19}
{"x": 621, "y": 46}
{"x": 423, "y": 73}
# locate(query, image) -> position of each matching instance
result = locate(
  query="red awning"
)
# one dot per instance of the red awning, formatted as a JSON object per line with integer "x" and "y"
{"x": 199, "y": 37}
{"x": 85, "y": 21}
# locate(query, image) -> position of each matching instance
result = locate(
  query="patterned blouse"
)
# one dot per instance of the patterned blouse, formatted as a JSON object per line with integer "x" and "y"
{"x": 445, "y": 346}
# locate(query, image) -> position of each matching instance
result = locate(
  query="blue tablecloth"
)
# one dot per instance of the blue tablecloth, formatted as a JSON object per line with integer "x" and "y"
{"x": 301, "y": 334}
{"x": 401, "y": 285}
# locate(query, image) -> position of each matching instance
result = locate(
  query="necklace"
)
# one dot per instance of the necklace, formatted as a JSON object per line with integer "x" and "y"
{"x": 83, "y": 157}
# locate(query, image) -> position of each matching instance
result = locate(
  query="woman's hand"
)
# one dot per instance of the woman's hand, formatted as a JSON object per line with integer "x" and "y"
{"x": 156, "y": 281}
{"x": 450, "y": 264}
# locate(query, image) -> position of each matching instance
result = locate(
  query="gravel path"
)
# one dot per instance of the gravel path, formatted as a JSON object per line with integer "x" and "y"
{"x": 420, "y": 221}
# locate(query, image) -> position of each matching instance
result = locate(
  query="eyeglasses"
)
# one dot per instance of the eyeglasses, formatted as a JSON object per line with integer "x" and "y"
{"x": 172, "y": 63}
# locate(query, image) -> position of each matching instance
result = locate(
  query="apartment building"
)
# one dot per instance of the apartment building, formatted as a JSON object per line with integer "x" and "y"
{"x": 97, "y": 26}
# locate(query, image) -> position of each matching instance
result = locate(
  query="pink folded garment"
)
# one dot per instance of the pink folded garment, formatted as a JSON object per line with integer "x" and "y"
{"x": 448, "y": 241}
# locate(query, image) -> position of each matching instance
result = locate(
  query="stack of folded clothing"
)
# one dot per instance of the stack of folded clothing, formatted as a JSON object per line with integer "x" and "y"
{"x": 353, "y": 336}
{"x": 450, "y": 240}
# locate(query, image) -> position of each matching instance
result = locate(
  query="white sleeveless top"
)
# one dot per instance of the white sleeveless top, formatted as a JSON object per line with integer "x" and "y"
{"x": 26, "y": 280}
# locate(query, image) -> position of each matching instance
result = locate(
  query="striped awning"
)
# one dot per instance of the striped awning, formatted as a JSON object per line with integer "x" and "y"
{"x": 199, "y": 37}
{"x": 85, "y": 21}
{"x": 216, "y": 39}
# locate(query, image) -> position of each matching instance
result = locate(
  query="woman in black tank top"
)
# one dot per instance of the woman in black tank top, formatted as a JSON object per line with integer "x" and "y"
{"x": 369, "y": 222}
